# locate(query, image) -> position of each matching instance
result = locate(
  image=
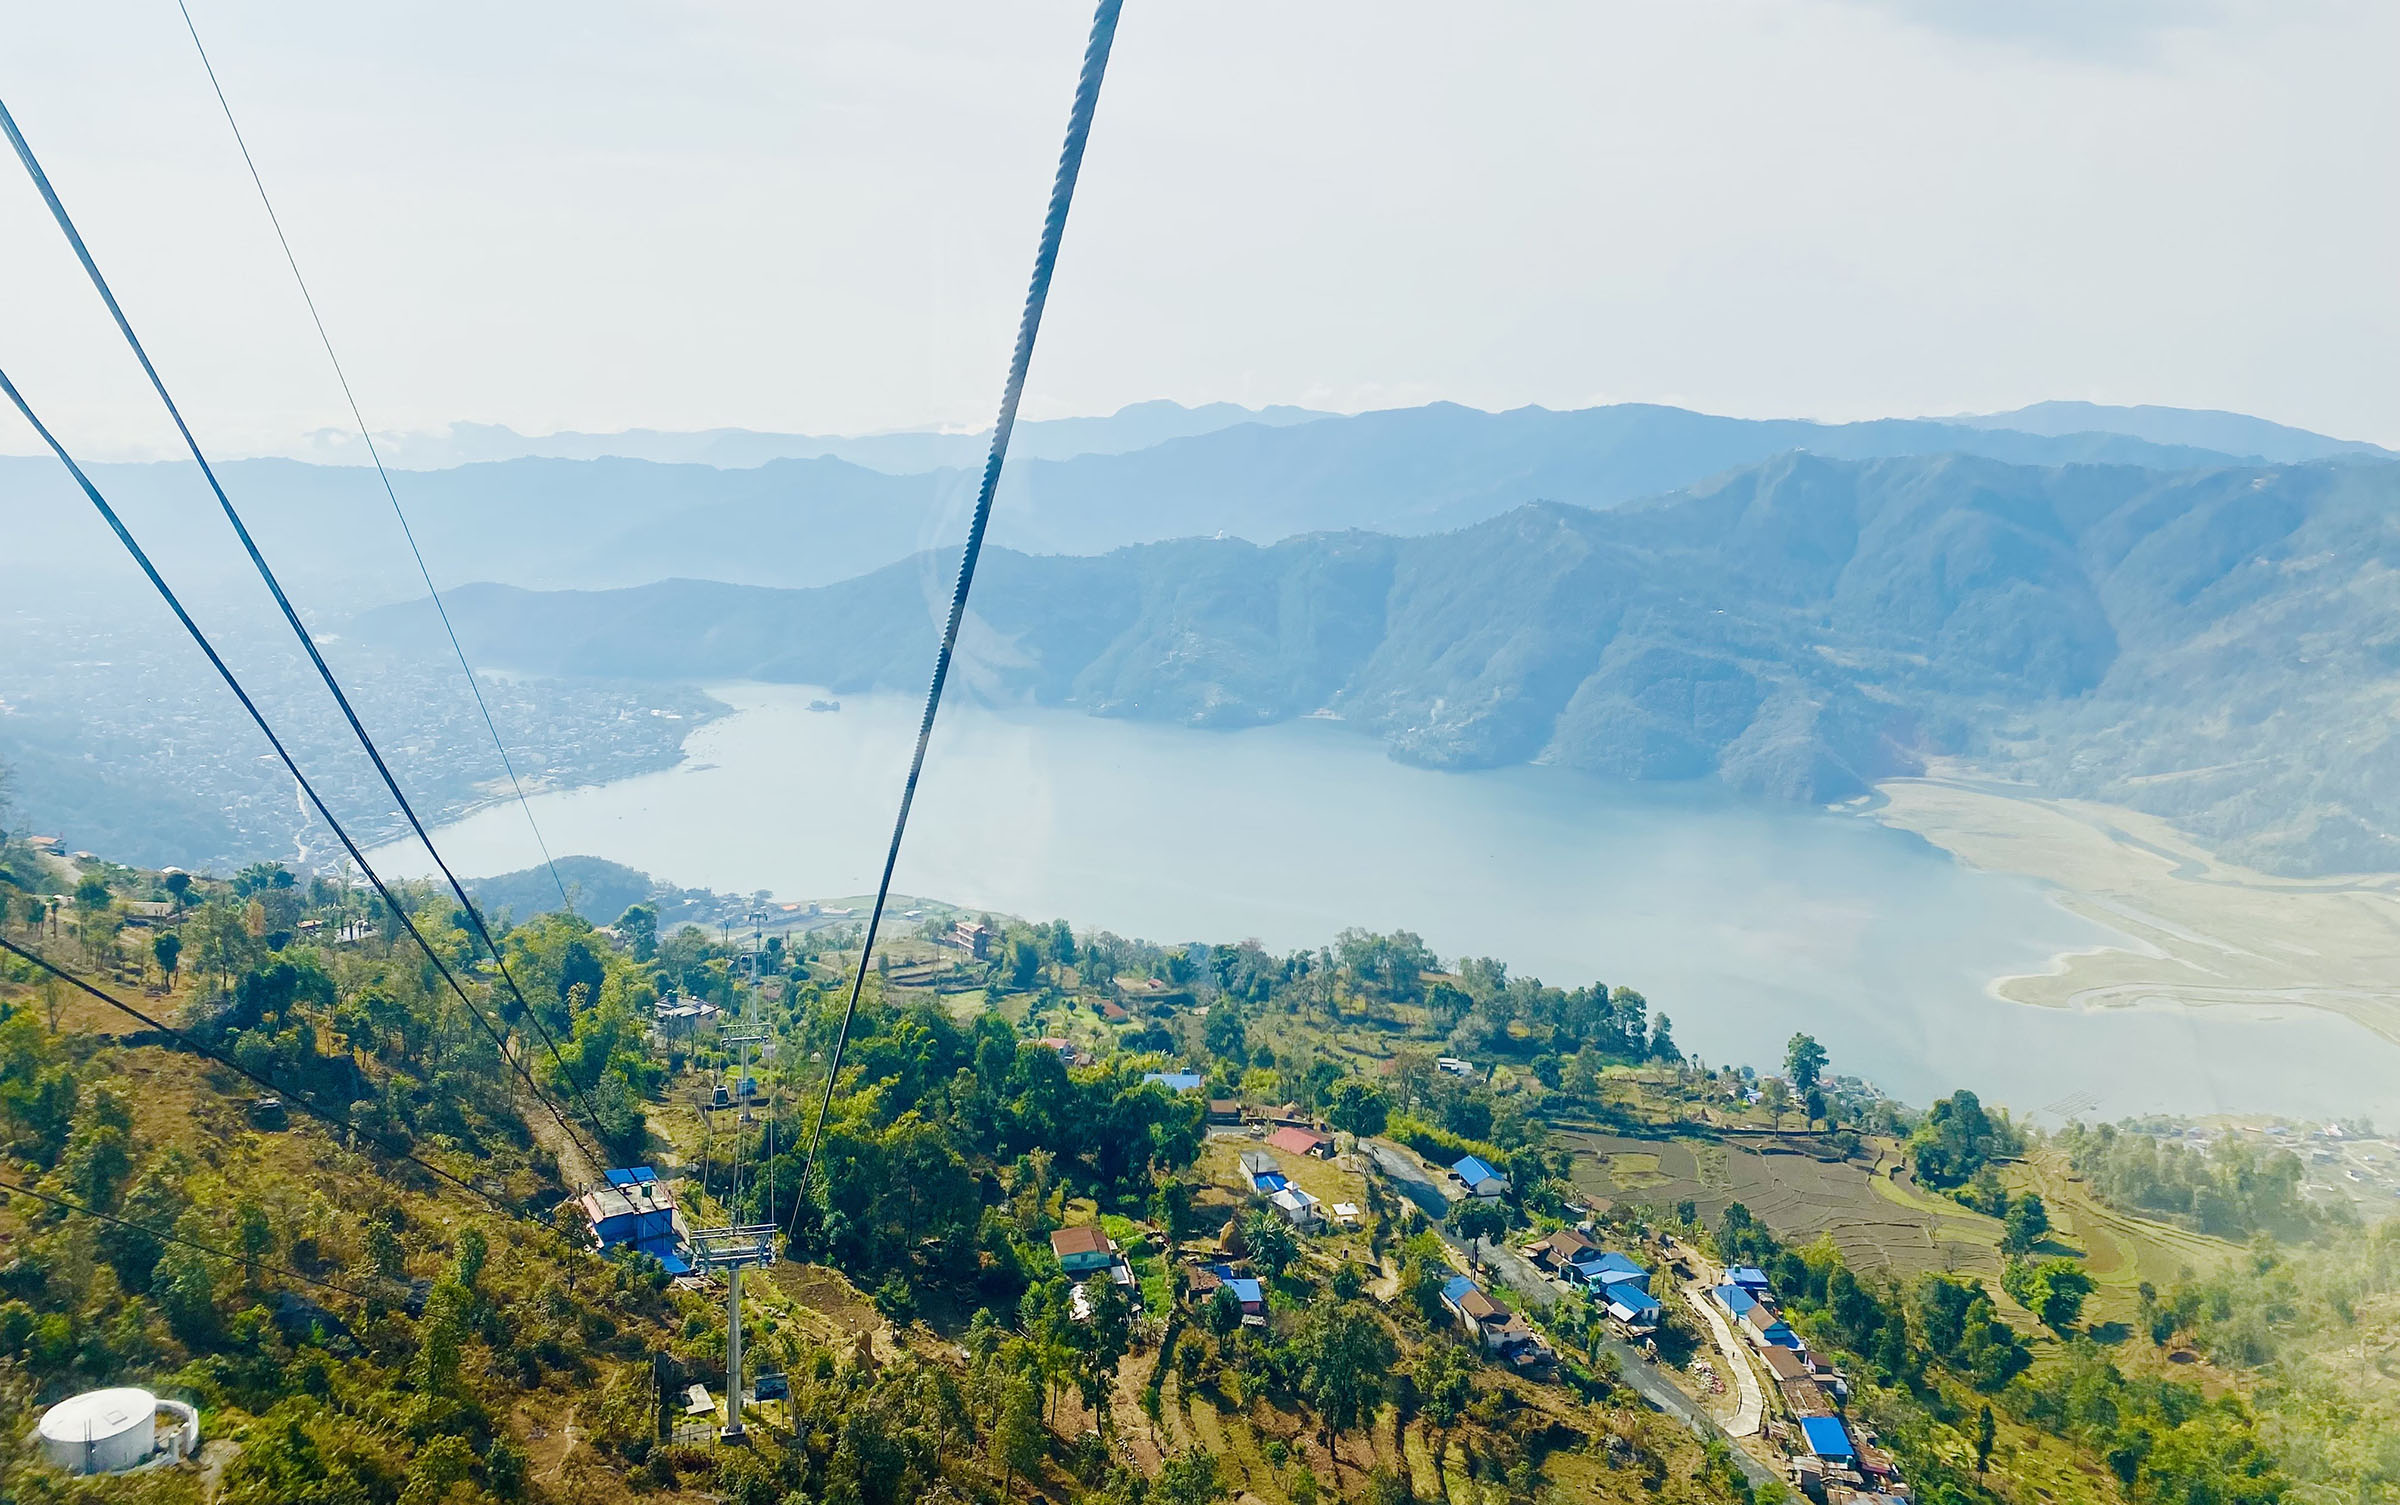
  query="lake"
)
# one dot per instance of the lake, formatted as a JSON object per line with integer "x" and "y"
{"x": 1743, "y": 920}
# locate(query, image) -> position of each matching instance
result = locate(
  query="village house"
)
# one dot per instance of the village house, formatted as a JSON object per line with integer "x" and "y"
{"x": 1768, "y": 1330}
{"x": 973, "y": 937}
{"x": 1264, "y": 1176}
{"x": 1473, "y": 1306}
{"x": 1224, "y": 1110}
{"x": 1083, "y": 1249}
{"x": 1560, "y": 1252}
{"x": 1479, "y": 1179}
{"x": 1298, "y": 1208}
{"x": 1300, "y": 1141}
{"x": 676, "y": 1017}
{"x": 1246, "y": 1291}
{"x": 1068, "y": 1051}
{"x": 1606, "y": 1270}
{"x": 1638, "y": 1310}
{"x": 1786, "y": 1365}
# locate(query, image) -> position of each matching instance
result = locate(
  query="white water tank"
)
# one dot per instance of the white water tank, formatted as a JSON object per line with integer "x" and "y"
{"x": 102, "y": 1431}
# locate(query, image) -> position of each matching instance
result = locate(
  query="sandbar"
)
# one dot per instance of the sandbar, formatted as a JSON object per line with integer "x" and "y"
{"x": 2197, "y": 931}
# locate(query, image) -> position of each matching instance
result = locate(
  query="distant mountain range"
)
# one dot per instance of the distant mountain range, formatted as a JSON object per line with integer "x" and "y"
{"x": 589, "y": 523}
{"x": 2217, "y": 646}
{"x": 2180, "y": 610}
{"x": 908, "y": 452}
{"x": 2203, "y": 428}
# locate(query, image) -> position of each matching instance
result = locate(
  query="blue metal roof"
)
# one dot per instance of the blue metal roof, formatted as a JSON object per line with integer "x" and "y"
{"x": 1458, "y": 1287}
{"x": 632, "y": 1176}
{"x": 1734, "y": 1299}
{"x": 1632, "y": 1297}
{"x": 1747, "y": 1276}
{"x": 1610, "y": 1262}
{"x": 1827, "y": 1437}
{"x": 1269, "y": 1181}
{"x": 1246, "y": 1290}
{"x": 1472, "y": 1170}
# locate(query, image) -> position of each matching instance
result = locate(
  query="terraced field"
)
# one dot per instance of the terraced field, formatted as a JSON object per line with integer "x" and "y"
{"x": 1876, "y": 1218}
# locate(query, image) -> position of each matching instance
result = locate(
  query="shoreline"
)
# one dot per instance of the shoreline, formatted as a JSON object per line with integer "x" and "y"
{"x": 2196, "y": 933}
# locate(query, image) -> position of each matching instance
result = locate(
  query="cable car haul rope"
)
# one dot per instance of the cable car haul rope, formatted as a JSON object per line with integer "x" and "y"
{"x": 1061, "y": 198}
{"x": 1037, "y": 296}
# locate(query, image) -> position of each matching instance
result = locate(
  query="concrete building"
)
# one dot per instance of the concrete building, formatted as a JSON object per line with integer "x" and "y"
{"x": 1083, "y": 1249}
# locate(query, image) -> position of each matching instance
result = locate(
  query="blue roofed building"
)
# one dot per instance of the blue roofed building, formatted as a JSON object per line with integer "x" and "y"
{"x": 1608, "y": 1269}
{"x": 1636, "y": 1308}
{"x": 1477, "y": 1312}
{"x": 1265, "y": 1177}
{"x": 1479, "y": 1179}
{"x": 1827, "y": 1439}
{"x": 1736, "y": 1301}
{"x": 635, "y": 1211}
{"x": 1749, "y": 1277}
{"x": 1768, "y": 1330}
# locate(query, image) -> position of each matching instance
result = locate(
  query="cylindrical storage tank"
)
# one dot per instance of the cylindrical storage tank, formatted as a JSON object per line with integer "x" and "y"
{"x": 101, "y": 1431}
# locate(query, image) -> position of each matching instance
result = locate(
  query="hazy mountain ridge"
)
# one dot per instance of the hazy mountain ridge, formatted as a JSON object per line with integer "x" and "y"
{"x": 570, "y": 524}
{"x": 1800, "y": 628}
{"x": 1135, "y": 426}
{"x": 2207, "y": 428}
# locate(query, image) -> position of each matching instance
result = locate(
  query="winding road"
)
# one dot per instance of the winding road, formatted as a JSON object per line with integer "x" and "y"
{"x": 1540, "y": 1292}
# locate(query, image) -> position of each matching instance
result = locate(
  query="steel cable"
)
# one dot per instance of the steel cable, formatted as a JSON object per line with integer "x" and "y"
{"x": 374, "y": 455}
{"x": 307, "y": 788}
{"x": 291, "y": 614}
{"x": 1037, "y": 295}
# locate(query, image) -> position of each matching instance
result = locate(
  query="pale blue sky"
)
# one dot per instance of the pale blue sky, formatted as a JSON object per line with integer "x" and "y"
{"x": 610, "y": 214}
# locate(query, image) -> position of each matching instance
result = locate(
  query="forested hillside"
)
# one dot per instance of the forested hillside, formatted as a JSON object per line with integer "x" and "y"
{"x": 379, "y": 1290}
{"x": 1800, "y": 628}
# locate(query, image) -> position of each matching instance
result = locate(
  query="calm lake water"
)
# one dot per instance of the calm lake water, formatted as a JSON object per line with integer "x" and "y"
{"x": 1743, "y": 921}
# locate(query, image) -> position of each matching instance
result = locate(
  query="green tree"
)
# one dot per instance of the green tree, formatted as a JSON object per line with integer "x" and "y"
{"x": 167, "y": 951}
{"x": 1273, "y": 1245}
{"x": 1018, "y": 1438}
{"x": 256, "y": 1237}
{"x": 1101, "y": 1342}
{"x": 1345, "y": 1352}
{"x": 1476, "y": 1219}
{"x": 185, "y": 1288}
{"x": 2026, "y": 1224}
{"x": 1445, "y": 1378}
{"x": 434, "y": 1468}
{"x": 1776, "y": 1098}
{"x": 2053, "y": 1290}
{"x": 1803, "y": 1061}
{"x": 1956, "y": 1140}
{"x": 1359, "y": 1107}
{"x": 1188, "y": 1479}
{"x": 638, "y": 928}
{"x": 1986, "y": 1431}
{"x": 1223, "y": 1033}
